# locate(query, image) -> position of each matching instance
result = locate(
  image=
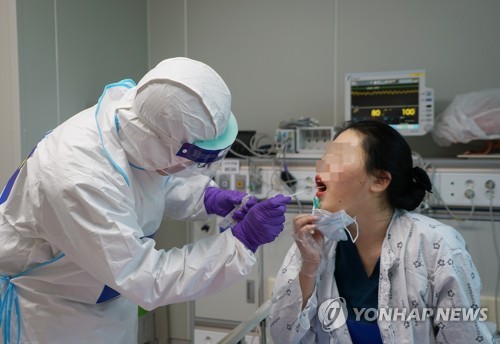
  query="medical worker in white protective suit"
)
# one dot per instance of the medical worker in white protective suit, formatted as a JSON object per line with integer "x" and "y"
{"x": 76, "y": 218}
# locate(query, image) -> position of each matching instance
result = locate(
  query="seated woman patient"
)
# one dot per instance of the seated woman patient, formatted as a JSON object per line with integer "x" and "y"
{"x": 366, "y": 268}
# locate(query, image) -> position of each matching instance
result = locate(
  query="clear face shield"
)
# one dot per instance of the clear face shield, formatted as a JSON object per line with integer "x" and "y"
{"x": 193, "y": 160}
{"x": 203, "y": 157}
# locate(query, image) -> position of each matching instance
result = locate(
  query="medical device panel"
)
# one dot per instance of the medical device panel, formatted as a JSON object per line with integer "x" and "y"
{"x": 399, "y": 98}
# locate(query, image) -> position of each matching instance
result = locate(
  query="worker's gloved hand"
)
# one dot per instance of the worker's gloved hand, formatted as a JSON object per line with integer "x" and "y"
{"x": 240, "y": 213}
{"x": 263, "y": 222}
{"x": 221, "y": 202}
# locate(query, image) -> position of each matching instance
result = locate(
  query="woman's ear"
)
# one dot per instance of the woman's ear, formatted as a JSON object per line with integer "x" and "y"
{"x": 382, "y": 181}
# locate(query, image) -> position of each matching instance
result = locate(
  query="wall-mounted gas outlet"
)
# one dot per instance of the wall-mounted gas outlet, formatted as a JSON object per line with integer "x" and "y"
{"x": 224, "y": 181}
{"x": 466, "y": 189}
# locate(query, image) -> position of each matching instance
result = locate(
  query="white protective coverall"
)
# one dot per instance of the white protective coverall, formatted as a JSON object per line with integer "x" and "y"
{"x": 423, "y": 264}
{"x": 75, "y": 218}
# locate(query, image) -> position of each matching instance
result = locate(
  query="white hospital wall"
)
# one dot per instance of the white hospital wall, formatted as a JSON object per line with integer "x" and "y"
{"x": 281, "y": 59}
{"x": 287, "y": 58}
{"x": 276, "y": 56}
{"x": 453, "y": 40}
{"x": 68, "y": 51}
{"x": 9, "y": 96}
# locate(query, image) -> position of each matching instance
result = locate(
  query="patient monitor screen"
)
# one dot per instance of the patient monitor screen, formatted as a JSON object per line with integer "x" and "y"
{"x": 392, "y": 97}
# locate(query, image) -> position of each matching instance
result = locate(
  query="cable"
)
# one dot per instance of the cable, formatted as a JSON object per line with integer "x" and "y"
{"x": 448, "y": 210}
{"x": 285, "y": 175}
{"x": 255, "y": 142}
{"x": 255, "y": 148}
{"x": 300, "y": 122}
{"x": 249, "y": 150}
{"x": 440, "y": 199}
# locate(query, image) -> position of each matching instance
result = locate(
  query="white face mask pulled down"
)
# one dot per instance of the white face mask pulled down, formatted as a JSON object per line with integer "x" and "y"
{"x": 334, "y": 225}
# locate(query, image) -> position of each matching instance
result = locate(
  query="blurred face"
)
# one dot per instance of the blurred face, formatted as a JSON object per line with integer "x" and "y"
{"x": 179, "y": 165}
{"x": 341, "y": 178}
{"x": 171, "y": 170}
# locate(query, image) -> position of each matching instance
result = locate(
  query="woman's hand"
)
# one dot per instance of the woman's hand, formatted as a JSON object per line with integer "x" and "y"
{"x": 310, "y": 243}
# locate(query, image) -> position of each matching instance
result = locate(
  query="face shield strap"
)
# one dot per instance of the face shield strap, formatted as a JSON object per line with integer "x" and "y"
{"x": 200, "y": 155}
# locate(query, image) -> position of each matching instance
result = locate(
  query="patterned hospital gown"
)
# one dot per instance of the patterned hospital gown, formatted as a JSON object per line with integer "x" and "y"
{"x": 423, "y": 264}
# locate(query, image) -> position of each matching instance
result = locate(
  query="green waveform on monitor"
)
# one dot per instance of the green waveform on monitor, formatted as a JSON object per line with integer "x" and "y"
{"x": 382, "y": 92}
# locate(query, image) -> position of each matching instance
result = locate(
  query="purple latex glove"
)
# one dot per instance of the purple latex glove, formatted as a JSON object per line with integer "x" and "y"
{"x": 220, "y": 201}
{"x": 263, "y": 222}
{"x": 240, "y": 213}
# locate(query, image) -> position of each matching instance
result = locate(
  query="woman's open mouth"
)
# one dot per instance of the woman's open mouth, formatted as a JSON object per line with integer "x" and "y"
{"x": 321, "y": 186}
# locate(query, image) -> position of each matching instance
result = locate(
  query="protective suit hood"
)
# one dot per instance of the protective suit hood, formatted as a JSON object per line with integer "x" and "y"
{"x": 180, "y": 100}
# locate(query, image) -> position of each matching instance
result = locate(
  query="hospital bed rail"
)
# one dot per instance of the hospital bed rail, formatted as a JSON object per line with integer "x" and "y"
{"x": 257, "y": 319}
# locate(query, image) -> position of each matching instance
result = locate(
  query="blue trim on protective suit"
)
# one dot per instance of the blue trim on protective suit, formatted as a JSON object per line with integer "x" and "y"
{"x": 128, "y": 83}
{"x": 137, "y": 167}
{"x": 117, "y": 125}
{"x": 107, "y": 294}
{"x": 10, "y": 299}
{"x": 10, "y": 183}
